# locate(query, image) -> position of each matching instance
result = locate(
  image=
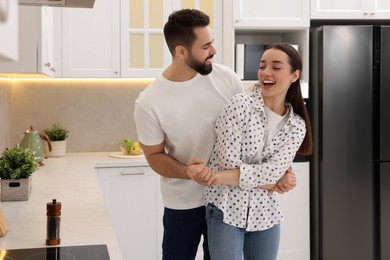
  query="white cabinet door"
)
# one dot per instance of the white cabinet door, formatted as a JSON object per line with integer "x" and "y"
{"x": 91, "y": 40}
{"x": 271, "y": 14}
{"x": 29, "y": 31}
{"x": 350, "y": 9}
{"x": 9, "y": 21}
{"x": 143, "y": 49}
{"x": 50, "y": 59}
{"x": 380, "y": 9}
{"x": 295, "y": 228}
{"x": 132, "y": 196}
{"x": 39, "y": 37}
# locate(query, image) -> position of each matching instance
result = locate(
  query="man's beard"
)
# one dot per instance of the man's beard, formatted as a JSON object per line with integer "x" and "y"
{"x": 201, "y": 67}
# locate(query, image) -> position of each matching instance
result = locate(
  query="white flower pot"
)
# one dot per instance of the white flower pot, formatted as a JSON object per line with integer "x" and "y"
{"x": 58, "y": 149}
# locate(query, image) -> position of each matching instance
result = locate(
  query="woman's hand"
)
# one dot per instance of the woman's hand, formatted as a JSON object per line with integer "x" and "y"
{"x": 199, "y": 173}
{"x": 286, "y": 183}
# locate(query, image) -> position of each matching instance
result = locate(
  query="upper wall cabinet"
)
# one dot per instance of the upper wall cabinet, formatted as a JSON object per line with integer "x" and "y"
{"x": 50, "y": 58}
{"x": 9, "y": 30}
{"x": 116, "y": 38}
{"x": 265, "y": 27}
{"x": 91, "y": 40}
{"x": 69, "y": 42}
{"x": 143, "y": 49}
{"x": 272, "y": 14}
{"x": 28, "y": 35}
{"x": 350, "y": 9}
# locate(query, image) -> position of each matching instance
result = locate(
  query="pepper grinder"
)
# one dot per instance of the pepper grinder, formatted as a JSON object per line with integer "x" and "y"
{"x": 53, "y": 222}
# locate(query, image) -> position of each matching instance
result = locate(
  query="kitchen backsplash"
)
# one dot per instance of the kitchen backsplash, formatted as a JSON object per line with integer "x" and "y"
{"x": 97, "y": 112}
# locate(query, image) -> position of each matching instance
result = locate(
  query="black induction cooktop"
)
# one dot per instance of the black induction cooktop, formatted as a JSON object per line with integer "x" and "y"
{"x": 89, "y": 252}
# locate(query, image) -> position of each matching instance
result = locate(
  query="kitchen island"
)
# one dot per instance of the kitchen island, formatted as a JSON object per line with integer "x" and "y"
{"x": 71, "y": 180}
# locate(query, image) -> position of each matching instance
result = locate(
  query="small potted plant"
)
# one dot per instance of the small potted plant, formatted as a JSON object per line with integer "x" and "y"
{"x": 17, "y": 164}
{"x": 57, "y": 135}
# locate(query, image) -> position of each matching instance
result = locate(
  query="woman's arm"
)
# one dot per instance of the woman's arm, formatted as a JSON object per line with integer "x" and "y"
{"x": 203, "y": 175}
{"x": 232, "y": 177}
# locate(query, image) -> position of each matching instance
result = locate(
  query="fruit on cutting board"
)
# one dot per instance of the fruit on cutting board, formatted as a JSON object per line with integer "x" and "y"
{"x": 127, "y": 143}
{"x": 135, "y": 149}
{"x": 129, "y": 147}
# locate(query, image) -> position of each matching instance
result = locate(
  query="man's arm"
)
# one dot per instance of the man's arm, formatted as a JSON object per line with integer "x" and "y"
{"x": 164, "y": 164}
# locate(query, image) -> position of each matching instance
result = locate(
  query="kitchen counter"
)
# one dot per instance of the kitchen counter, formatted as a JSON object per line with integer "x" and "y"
{"x": 72, "y": 180}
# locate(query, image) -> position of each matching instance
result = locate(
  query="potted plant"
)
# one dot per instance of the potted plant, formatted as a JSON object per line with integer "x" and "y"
{"x": 57, "y": 135}
{"x": 17, "y": 164}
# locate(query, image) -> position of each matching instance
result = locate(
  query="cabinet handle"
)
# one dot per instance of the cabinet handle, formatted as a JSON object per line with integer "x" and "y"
{"x": 47, "y": 64}
{"x": 132, "y": 173}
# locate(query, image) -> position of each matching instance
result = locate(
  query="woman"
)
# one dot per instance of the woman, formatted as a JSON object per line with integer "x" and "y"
{"x": 258, "y": 136}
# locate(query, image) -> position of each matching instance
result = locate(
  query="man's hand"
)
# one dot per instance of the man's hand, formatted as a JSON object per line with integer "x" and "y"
{"x": 286, "y": 183}
{"x": 201, "y": 174}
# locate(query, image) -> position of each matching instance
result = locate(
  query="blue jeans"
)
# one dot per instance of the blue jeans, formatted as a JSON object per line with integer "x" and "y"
{"x": 230, "y": 242}
{"x": 183, "y": 230}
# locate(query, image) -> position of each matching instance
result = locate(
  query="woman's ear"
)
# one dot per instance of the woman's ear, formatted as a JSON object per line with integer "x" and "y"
{"x": 296, "y": 76}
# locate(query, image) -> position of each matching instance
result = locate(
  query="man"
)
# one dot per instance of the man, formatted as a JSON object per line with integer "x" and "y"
{"x": 175, "y": 119}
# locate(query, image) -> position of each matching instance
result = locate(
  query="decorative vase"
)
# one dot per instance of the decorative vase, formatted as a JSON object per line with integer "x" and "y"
{"x": 15, "y": 189}
{"x": 58, "y": 149}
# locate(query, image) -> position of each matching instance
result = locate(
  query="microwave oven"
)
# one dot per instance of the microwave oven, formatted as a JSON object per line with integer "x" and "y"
{"x": 247, "y": 59}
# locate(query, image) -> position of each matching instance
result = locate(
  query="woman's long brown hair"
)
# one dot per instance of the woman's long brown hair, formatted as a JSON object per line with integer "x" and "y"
{"x": 294, "y": 94}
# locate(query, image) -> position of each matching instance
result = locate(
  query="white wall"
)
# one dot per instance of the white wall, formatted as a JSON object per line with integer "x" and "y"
{"x": 98, "y": 113}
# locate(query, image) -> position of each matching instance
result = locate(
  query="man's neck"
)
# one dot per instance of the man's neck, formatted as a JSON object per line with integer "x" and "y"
{"x": 179, "y": 72}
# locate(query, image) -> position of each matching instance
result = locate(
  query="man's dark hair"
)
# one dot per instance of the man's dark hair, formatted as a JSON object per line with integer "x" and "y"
{"x": 179, "y": 30}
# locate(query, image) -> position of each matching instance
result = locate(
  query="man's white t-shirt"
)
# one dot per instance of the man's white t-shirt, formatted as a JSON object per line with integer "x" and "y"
{"x": 183, "y": 115}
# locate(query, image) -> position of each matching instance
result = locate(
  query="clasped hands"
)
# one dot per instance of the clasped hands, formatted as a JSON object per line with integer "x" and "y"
{"x": 202, "y": 174}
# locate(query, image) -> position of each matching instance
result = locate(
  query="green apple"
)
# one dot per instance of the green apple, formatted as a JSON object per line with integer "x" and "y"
{"x": 127, "y": 143}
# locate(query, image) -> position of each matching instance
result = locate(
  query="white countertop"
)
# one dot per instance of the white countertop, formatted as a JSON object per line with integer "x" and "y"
{"x": 71, "y": 180}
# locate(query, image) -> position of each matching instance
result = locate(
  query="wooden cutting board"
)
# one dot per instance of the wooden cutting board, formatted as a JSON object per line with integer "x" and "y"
{"x": 125, "y": 156}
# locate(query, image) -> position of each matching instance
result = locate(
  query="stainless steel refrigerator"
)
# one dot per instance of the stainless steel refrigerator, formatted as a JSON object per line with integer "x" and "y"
{"x": 350, "y": 166}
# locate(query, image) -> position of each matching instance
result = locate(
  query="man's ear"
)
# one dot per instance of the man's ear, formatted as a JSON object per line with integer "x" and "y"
{"x": 180, "y": 51}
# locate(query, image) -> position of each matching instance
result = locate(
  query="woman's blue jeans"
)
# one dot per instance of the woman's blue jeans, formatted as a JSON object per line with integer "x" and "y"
{"x": 230, "y": 242}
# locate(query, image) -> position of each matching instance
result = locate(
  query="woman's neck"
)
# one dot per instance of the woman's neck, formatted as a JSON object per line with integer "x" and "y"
{"x": 277, "y": 105}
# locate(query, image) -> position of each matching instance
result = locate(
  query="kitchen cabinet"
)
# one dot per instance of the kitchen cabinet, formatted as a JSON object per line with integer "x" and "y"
{"x": 271, "y": 14}
{"x": 9, "y": 30}
{"x": 132, "y": 196}
{"x": 143, "y": 49}
{"x": 50, "y": 42}
{"x": 117, "y": 38}
{"x": 123, "y": 38}
{"x": 350, "y": 9}
{"x": 39, "y": 42}
{"x": 91, "y": 40}
{"x": 28, "y": 38}
{"x": 81, "y": 42}
{"x": 69, "y": 42}
{"x": 295, "y": 206}
{"x": 252, "y": 30}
